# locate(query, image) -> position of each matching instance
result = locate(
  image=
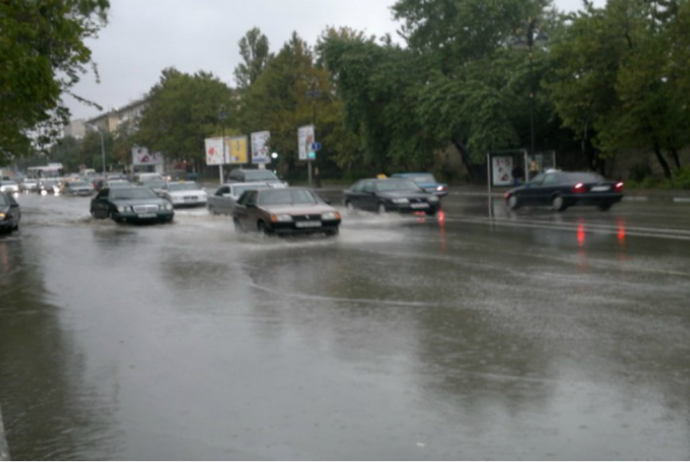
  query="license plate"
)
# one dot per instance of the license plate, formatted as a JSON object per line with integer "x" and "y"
{"x": 308, "y": 224}
{"x": 419, "y": 206}
{"x": 190, "y": 198}
{"x": 601, "y": 188}
{"x": 147, "y": 215}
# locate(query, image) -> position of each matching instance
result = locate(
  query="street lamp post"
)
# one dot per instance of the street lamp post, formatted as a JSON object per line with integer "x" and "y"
{"x": 94, "y": 127}
{"x": 222, "y": 115}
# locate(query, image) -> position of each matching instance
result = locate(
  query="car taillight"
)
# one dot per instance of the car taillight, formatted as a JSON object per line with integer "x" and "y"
{"x": 507, "y": 195}
{"x": 441, "y": 188}
{"x": 619, "y": 186}
{"x": 579, "y": 188}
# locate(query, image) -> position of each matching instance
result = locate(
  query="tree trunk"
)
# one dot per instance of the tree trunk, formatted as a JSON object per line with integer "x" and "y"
{"x": 662, "y": 161}
{"x": 466, "y": 159}
{"x": 674, "y": 156}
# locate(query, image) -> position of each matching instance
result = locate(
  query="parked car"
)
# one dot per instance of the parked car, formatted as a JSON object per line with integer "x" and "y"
{"x": 426, "y": 181}
{"x": 390, "y": 195}
{"x": 226, "y": 196}
{"x": 285, "y": 211}
{"x": 9, "y": 186}
{"x": 245, "y": 175}
{"x": 77, "y": 188}
{"x": 134, "y": 204}
{"x": 561, "y": 190}
{"x": 10, "y": 213}
{"x": 184, "y": 193}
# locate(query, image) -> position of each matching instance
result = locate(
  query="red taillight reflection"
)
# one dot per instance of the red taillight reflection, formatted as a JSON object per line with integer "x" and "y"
{"x": 442, "y": 218}
{"x": 619, "y": 186}
{"x": 579, "y": 188}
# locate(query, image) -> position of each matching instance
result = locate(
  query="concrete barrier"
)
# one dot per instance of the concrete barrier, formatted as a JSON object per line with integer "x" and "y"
{"x": 4, "y": 452}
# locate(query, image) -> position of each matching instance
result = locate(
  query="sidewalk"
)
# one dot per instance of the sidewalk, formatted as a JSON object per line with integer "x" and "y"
{"x": 4, "y": 452}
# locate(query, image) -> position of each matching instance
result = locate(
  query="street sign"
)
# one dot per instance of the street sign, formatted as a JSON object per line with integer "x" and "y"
{"x": 316, "y": 146}
{"x": 260, "y": 147}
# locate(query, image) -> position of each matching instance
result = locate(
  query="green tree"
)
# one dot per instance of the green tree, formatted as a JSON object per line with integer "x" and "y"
{"x": 42, "y": 55}
{"x": 255, "y": 51}
{"x": 182, "y": 111}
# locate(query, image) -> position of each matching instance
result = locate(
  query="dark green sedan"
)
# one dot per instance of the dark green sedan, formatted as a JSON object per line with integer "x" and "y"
{"x": 135, "y": 204}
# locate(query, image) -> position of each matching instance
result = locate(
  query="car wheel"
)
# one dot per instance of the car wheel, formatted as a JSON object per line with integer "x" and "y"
{"x": 604, "y": 206}
{"x": 263, "y": 229}
{"x": 332, "y": 232}
{"x": 513, "y": 202}
{"x": 350, "y": 208}
{"x": 557, "y": 204}
{"x": 211, "y": 210}
{"x": 15, "y": 227}
{"x": 382, "y": 209}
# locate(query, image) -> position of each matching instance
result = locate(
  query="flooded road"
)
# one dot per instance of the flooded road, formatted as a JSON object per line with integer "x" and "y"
{"x": 479, "y": 334}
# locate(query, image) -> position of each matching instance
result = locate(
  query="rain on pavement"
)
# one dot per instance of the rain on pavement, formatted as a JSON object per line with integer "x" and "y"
{"x": 478, "y": 334}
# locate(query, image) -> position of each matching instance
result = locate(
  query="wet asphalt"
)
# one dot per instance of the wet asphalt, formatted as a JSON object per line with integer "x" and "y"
{"x": 478, "y": 334}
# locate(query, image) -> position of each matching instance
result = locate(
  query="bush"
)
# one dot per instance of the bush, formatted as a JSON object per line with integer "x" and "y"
{"x": 681, "y": 179}
{"x": 639, "y": 172}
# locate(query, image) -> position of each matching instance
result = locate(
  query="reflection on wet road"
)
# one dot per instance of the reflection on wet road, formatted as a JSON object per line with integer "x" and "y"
{"x": 476, "y": 334}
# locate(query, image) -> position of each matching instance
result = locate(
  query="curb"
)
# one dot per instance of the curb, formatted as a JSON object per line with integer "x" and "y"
{"x": 4, "y": 451}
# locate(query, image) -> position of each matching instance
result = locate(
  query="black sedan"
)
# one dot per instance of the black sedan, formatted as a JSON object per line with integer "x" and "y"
{"x": 390, "y": 195}
{"x": 561, "y": 190}
{"x": 135, "y": 204}
{"x": 10, "y": 213}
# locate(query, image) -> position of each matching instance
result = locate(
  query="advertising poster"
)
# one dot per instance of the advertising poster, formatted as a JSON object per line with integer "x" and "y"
{"x": 305, "y": 137}
{"x": 260, "y": 147}
{"x": 214, "y": 151}
{"x": 236, "y": 150}
{"x": 141, "y": 156}
{"x": 502, "y": 170}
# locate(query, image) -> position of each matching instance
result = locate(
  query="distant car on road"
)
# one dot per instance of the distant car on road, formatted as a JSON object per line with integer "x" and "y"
{"x": 245, "y": 175}
{"x": 9, "y": 186}
{"x": 10, "y": 213}
{"x": 29, "y": 185}
{"x": 77, "y": 188}
{"x": 152, "y": 180}
{"x": 285, "y": 211}
{"x": 561, "y": 190}
{"x": 426, "y": 181}
{"x": 184, "y": 194}
{"x": 49, "y": 186}
{"x": 390, "y": 195}
{"x": 134, "y": 204}
{"x": 226, "y": 196}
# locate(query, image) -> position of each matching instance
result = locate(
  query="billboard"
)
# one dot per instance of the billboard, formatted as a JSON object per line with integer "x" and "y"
{"x": 236, "y": 150}
{"x": 141, "y": 156}
{"x": 260, "y": 147}
{"x": 305, "y": 137}
{"x": 502, "y": 170}
{"x": 214, "y": 151}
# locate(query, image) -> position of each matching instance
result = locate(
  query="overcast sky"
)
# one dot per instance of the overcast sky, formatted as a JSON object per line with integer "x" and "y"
{"x": 145, "y": 36}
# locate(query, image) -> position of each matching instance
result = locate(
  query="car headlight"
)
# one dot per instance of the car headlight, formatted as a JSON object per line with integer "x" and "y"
{"x": 282, "y": 218}
{"x": 2, "y": 216}
{"x": 168, "y": 206}
{"x": 330, "y": 216}
{"x": 433, "y": 199}
{"x": 121, "y": 208}
{"x": 401, "y": 201}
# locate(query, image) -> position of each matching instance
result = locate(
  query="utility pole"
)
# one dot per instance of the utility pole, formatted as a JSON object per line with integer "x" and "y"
{"x": 222, "y": 115}
{"x": 313, "y": 94}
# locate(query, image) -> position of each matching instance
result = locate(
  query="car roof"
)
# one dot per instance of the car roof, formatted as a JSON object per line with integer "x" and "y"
{"x": 248, "y": 183}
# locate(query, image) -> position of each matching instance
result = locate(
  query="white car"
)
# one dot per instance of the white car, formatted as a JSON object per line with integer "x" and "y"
{"x": 224, "y": 199}
{"x": 184, "y": 194}
{"x": 9, "y": 186}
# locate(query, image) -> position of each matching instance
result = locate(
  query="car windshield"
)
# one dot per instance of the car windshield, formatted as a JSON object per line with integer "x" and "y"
{"x": 183, "y": 187}
{"x": 287, "y": 197}
{"x": 8, "y": 183}
{"x": 422, "y": 178}
{"x": 132, "y": 193}
{"x": 3, "y": 200}
{"x": 397, "y": 185}
{"x": 77, "y": 184}
{"x": 584, "y": 177}
{"x": 260, "y": 175}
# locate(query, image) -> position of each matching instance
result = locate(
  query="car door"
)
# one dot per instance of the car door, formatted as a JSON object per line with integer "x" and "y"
{"x": 15, "y": 211}
{"x": 530, "y": 191}
{"x": 99, "y": 205}
{"x": 370, "y": 200}
{"x": 353, "y": 195}
{"x": 244, "y": 209}
{"x": 549, "y": 187}
{"x": 220, "y": 200}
